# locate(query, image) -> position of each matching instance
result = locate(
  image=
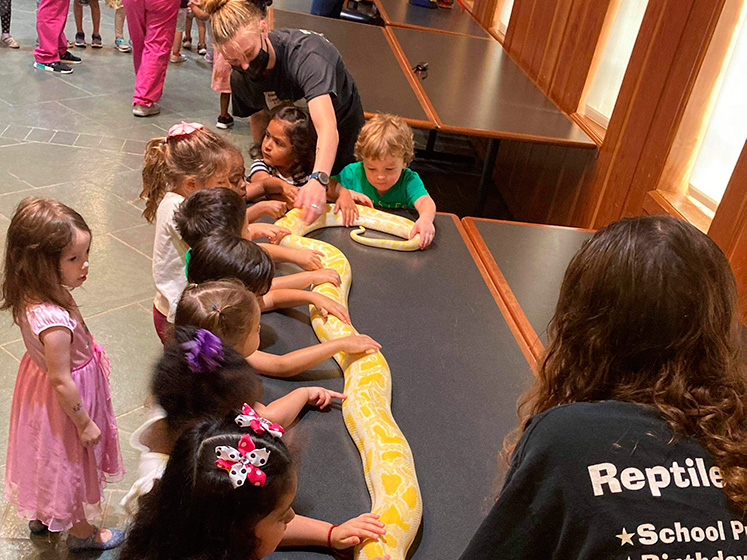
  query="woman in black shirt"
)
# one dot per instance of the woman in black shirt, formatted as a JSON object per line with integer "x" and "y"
{"x": 633, "y": 440}
{"x": 271, "y": 68}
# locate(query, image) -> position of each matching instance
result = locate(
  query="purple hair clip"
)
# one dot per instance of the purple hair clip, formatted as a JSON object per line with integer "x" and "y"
{"x": 204, "y": 353}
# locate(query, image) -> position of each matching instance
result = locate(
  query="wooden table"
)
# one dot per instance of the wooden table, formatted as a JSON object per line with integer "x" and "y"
{"x": 384, "y": 83}
{"x": 457, "y": 370}
{"x": 526, "y": 263}
{"x": 456, "y": 21}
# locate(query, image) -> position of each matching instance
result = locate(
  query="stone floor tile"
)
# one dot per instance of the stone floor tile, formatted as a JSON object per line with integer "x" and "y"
{"x": 16, "y": 132}
{"x": 139, "y": 238}
{"x": 64, "y": 138}
{"x": 40, "y": 135}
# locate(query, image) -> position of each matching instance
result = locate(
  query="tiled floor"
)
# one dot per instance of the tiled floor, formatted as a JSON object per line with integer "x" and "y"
{"x": 73, "y": 138}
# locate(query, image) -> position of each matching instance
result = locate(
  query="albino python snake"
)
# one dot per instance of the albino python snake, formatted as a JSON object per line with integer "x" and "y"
{"x": 387, "y": 459}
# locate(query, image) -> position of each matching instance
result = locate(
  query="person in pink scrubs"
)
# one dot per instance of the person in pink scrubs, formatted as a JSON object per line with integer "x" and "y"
{"x": 152, "y": 24}
{"x": 52, "y": 54}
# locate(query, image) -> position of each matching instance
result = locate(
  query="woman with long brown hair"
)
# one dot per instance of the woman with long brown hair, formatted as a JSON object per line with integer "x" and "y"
{"x": 633, "y": 441}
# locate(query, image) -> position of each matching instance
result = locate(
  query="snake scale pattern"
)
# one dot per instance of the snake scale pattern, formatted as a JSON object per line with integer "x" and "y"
{"x": 387, "y": 459}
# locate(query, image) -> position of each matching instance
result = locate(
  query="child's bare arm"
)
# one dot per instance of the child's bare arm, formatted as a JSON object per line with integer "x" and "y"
{"x": 293, "y": 363}
{"x": 426, "y": 208}
{"x": 283, "y": 299}
{"x": 302, "y": 280}
{"x": 273, "y": 208}
{"x": 305, "y": 531}
{"x": 57, "y": 342}
{"x": 307, "y": 259}
{"x": 285, "y": 410}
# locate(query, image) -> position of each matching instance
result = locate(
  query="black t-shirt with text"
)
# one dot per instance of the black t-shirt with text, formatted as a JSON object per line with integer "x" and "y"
{"x": 606, "y": 480}
{"x": 306, "y": 66}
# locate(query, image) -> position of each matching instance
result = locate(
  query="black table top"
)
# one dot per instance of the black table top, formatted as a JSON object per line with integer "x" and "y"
{"x": 381, "y": 80}
{"x": 301, "y": 6}
{"x": 457, "y": 372}
{"x": 455, "y": 20}
{"x": 533, "y": 260}
{"x": 476, "y": 89}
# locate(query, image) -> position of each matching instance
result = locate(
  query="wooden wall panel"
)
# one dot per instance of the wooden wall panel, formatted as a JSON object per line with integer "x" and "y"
{"x": 729, "y": 227}
{"x": 665, "y": 61}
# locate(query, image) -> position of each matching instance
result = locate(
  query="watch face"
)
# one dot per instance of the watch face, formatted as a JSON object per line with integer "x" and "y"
{"x": 321, "y": 176}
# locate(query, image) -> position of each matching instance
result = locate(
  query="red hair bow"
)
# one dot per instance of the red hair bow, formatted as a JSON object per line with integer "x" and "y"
{"x": 250, "y": 419}
{"x": 243, "y": 463}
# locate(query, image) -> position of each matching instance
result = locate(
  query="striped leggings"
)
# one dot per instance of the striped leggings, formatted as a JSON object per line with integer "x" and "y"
{"x": 5, "y": 15}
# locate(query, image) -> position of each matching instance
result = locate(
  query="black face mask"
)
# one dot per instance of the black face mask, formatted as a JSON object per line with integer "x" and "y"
{"x": 257, "y": 66}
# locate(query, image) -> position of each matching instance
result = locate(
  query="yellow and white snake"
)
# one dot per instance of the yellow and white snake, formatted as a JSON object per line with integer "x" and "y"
{"x": 387, "y": 459}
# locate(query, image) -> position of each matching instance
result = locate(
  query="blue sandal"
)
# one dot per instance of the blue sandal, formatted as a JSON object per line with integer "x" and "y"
{"x": 74, "y": 544}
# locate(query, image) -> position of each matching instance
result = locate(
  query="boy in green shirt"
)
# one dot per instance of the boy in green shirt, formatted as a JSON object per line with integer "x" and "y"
{"x": 384, "y": 149}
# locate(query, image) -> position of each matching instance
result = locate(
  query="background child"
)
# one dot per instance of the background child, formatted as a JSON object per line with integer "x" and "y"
{"x": 181, "y": 24}
{"x": 222, "y": 256}
{"x": 222, "y": 211}
{"x": 189, "y": 158}
{"x": 120, "y": 43}
{"x": 208, "y": 503}
{"x": 219, "y": 307}
{"x": 63, "y": 436}
{"x": 6, "y": 39}
{"x": 80, "y": 36}
{"x": 636, "y": 419}
{"x": 284, "y": 159}
{"x": 384, "y": 149}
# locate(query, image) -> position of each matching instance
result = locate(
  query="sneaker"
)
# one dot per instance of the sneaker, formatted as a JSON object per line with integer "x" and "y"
{"x": 224, "y": 122}
{"x": 96, "y": 42}
{"x": 177, "y": 58}
{"x": 56, "y": 67}
{"x": 121, "y": 45}
{"x": 209, "y": 57}
{"x": 7, "y": 40}
{"x": 74, "y": 544}
{"x": 145, "y": 110}
{"x": 37, "y": 527}
{"x": 70, "y": 44}
{"x": 187, "y": 43}
{"x": 69, "y": 58}
{"x": 201, "y": 49}
{"x": 80, "y": 40}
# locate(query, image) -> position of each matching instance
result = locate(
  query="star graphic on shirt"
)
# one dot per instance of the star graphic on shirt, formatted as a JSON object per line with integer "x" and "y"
{"x": 625, "y": 538}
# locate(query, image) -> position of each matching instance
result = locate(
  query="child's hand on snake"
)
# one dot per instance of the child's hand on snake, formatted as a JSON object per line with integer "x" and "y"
{"x": 321, "y": 397}
{"x": 325, "y": 275}
{"x": 353, "y": 531}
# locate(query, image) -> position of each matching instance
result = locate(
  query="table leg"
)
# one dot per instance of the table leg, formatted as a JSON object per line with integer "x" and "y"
{"x": 487, "y": 174}
{"x": 430, "y": 144}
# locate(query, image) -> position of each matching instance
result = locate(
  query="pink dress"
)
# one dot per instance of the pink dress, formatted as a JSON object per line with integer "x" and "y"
{"x": 50, "y": 476}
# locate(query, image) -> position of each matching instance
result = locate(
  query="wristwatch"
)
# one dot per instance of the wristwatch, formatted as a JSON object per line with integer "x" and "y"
{"x": 320, "y": 176}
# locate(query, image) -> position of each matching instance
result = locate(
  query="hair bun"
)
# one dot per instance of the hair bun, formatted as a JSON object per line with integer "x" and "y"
{"x": 212, "y": 6}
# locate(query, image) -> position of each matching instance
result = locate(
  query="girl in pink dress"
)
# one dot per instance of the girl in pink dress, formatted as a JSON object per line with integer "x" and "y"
{"x": 63, "y": 443}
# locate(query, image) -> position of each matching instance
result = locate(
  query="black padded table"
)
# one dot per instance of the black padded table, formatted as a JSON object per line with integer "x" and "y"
{"x": 526, "y": 263}
{"x": 382, "y": 82}
{"x": 457, "y": 371}
{"x": 457, "y": 20}
{"x": 475, "y": 89}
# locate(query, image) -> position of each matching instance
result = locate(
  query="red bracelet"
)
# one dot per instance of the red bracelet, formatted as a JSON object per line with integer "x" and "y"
{"x": 329, "y": 536}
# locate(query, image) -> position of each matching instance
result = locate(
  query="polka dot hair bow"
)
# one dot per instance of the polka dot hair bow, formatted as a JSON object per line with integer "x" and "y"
{"x": 250, "y": 419}
{"x": 243, "y": 463}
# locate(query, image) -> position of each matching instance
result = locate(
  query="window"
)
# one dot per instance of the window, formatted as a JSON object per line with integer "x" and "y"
{"x": 605, "y": 86}
{"x": 502, "y": 17}
{"x": 727, "y": 128}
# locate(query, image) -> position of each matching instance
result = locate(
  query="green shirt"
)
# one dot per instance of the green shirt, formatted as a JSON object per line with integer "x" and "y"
{"x": 408, "y": 188}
